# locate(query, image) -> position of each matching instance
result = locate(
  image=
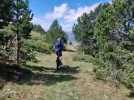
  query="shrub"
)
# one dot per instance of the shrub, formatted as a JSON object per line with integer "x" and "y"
{"x": 38, "y": 46}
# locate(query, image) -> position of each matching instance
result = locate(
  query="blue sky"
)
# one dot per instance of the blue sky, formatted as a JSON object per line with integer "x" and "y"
{"x": 66, "y": 11}
{"x": 41, "y": 6}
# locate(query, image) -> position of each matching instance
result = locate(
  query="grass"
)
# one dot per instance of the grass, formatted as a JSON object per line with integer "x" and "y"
{"x": 75, "y": 81}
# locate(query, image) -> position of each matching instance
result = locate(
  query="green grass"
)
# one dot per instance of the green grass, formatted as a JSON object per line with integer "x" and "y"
{"x": 75, "y": 81}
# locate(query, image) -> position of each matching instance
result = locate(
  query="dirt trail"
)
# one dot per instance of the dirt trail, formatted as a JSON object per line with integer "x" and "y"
{"x": 86, "y": 86}
{"x": 75, "y": 81}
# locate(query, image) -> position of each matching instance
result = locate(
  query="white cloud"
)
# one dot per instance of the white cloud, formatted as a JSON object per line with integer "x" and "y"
{"x": 66, "y": 16}
{"x": 58, "y": 12}
{"x": 73, "y": 14}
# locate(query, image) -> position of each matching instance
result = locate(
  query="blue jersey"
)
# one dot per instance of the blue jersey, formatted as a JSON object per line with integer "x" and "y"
{"x": 58, "y": 46}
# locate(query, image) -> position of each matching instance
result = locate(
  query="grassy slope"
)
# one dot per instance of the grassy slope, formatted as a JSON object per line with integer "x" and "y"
{"x": 75, "y": 81}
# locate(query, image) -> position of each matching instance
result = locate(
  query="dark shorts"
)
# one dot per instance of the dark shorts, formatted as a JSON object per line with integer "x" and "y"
{"x": 59, "y": 54}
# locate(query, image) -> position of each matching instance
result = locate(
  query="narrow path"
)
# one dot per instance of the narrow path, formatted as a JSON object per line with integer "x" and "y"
{"x": 75, "y": 81}
{"x": 85, "y": 86}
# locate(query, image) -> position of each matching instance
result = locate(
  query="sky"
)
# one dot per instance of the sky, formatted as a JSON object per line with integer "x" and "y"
{"x": 65, "y": 11}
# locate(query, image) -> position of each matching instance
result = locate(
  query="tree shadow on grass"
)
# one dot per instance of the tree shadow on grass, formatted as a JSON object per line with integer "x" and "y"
{"x": 40, "y": 68}
{"x": 63, "y": 69}
{"x": 131, "y": 94}
{"x": 23, "y": 75}
{"x": 68, "y": 69}
{"x": 48, "y": 79}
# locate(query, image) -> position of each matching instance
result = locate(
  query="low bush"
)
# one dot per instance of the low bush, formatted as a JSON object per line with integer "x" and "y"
{"x": 38, "y": 46}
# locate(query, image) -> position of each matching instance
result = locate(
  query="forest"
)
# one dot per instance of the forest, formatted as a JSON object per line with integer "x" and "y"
{"x": 105, "y": 48}
{"x": 107, "y": 34}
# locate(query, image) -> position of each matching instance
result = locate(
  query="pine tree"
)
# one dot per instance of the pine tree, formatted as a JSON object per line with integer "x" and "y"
{"x": 54, "y": 32}
{"x": 38, "y": 28}
{"x": 22, "y": 17}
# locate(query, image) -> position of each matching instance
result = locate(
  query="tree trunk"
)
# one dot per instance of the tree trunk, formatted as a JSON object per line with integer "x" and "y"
{"x": 18, "y": 48}
{"x": 18, "y": 37}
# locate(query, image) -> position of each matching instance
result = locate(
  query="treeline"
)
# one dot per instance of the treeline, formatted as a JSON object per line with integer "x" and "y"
{"x": 107, "y": 33}
{"x": 17, "y": 44}
{"x": 53, "y": 32}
